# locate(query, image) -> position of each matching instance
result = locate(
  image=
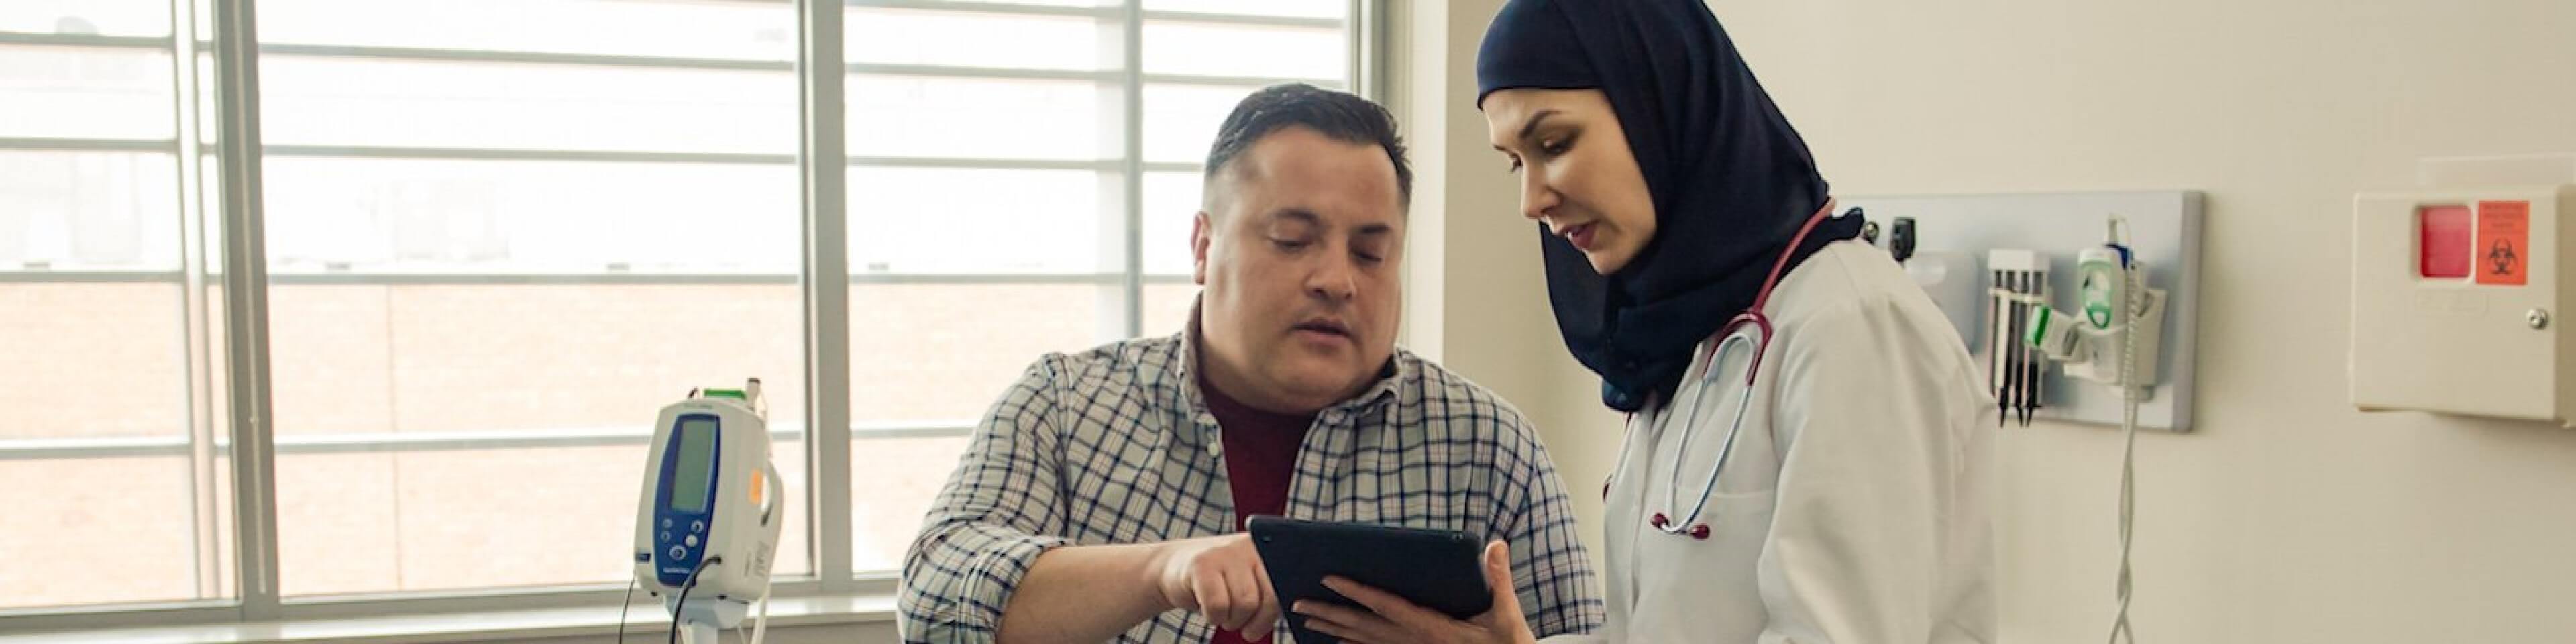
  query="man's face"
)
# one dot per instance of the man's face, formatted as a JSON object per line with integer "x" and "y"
{"x": 1298, "y": 252}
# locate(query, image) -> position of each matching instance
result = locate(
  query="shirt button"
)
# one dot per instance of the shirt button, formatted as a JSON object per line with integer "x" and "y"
{"x": 1216, "y": 448}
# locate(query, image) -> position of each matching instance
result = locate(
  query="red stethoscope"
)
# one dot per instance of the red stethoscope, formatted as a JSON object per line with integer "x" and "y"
{"x": 1748, "y": 331}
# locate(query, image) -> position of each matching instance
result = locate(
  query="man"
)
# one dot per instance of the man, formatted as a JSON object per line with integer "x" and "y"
{"x": 1105, "y": 495}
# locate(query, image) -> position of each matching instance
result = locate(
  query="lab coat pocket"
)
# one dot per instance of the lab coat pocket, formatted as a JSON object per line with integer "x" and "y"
{"x": 1704, "y": 586}
{"x": 1739, "y": 515}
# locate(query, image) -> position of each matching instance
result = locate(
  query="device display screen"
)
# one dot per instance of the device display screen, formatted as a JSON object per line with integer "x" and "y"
{"x": 697, "y": 462}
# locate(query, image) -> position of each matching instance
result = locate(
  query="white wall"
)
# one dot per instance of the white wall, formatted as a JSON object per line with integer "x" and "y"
{"x": 2288, "y": 517}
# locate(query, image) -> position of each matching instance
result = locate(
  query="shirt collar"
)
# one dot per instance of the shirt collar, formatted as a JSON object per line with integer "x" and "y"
{"x": 1178, "y": 373}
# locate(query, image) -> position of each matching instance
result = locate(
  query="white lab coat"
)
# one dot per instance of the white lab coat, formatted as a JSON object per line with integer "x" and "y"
{"x": 1855, "y": 507}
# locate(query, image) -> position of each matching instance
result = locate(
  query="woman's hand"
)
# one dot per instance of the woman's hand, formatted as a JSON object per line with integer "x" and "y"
{"x": 1392, "y": 620}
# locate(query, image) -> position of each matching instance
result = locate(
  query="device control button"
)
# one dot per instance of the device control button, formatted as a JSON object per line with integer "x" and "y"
{"x": 690, "y": 541}
{"x": 679, "y": 552}
{"x": 698, "y": 526}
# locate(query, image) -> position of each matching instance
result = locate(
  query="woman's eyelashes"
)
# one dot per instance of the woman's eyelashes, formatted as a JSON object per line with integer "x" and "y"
{"x": 1556, "y": 145}
{"x": 1547, "y": 148}
{"x": 1544, "y": 148}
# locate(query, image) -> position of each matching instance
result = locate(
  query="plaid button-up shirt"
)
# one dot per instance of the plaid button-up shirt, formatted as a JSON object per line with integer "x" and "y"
{"x": 1115, "y": 445}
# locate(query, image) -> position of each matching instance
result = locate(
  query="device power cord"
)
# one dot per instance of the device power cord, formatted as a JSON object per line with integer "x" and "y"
{"x": 2120, "y": 629}
{"x": 683, "y": 601}
{"x": 622, "y": 605}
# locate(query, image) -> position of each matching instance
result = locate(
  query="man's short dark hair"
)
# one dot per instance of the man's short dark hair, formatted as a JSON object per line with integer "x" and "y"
{"x": 1340, "y": 116}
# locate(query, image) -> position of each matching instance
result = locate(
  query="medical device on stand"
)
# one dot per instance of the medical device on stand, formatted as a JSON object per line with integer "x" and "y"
{"x": 706, "y": 527}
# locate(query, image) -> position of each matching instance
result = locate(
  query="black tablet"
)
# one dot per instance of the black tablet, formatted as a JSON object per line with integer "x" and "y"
{"x": 1436, "y": 569}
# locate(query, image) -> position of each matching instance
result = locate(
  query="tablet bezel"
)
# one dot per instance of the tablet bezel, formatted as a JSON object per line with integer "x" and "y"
{"x": 1437, "y": 569}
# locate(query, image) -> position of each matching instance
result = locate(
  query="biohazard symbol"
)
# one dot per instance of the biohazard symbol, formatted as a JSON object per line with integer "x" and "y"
{"x": 2504, "y": 230}
{"x": 2501, "y": 256}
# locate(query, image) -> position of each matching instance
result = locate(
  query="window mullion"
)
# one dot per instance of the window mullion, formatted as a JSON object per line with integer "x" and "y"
{"x": 246, "y": 307}
{"x": 824, "y": 163}
{"x": 1132, "y": 157}
{"x": 204, "y": 492}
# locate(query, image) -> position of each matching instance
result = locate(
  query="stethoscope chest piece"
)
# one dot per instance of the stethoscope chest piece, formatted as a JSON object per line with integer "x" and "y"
{"x": 1697, "y": 530}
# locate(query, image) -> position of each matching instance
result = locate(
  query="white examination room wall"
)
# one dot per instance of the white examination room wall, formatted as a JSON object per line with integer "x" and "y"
{"x": 2288, "y": 517}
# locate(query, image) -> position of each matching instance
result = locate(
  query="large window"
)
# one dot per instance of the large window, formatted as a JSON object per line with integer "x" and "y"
{"x": 992, "y": 213}
{"x": 496, "y": 224}
{"x": 500, "y": 234}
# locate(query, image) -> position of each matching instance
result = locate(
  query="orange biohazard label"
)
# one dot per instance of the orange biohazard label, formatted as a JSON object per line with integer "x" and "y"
{"x": 2504, "y": 243}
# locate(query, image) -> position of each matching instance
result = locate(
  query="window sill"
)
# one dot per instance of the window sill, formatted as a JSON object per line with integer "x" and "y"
{"x": 453, "y": 628}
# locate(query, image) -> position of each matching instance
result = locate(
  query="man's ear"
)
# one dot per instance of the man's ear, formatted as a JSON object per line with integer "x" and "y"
{"x": 1202, "y": 230}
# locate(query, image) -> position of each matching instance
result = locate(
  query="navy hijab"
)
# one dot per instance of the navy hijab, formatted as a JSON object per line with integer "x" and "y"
{"x": 1732, "y": 183}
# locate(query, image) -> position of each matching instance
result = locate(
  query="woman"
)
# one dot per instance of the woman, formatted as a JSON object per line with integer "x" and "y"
{"x": 1851, "y": 503}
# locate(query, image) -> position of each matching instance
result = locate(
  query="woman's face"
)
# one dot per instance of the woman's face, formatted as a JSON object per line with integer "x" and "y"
{"x": 1576, "y": 172}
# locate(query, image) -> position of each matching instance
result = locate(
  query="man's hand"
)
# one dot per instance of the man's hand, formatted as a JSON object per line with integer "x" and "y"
{"x": 1392, "y": 620}
{"x": 1222, "y": 578}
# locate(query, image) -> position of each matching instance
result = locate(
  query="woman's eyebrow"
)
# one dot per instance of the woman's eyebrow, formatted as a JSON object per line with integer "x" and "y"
{"x": 1532, "y": 125}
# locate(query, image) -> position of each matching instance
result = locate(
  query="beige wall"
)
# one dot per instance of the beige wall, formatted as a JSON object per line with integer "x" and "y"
{"x": 1475, "y": 298}
{"x": 2289, "y": 517}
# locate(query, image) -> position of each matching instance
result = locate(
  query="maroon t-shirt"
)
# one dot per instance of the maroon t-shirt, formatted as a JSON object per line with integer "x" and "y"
{"x": 1260, "y": 459}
